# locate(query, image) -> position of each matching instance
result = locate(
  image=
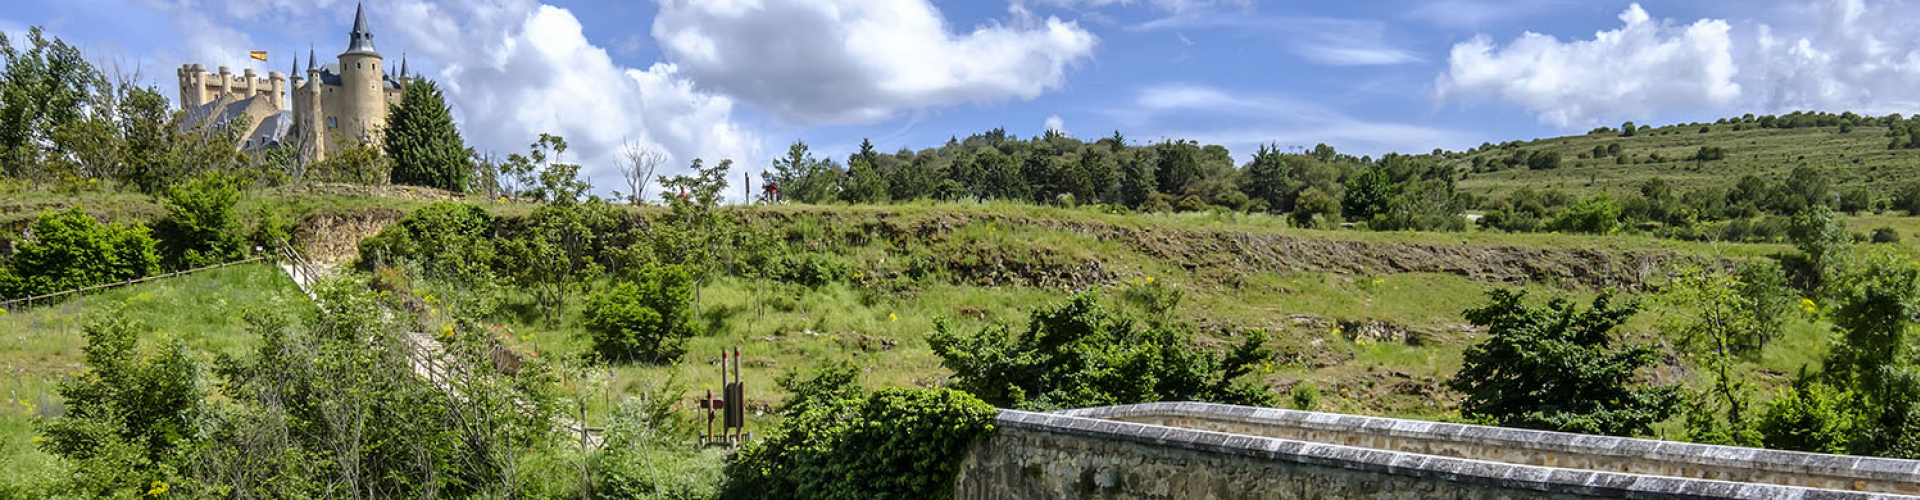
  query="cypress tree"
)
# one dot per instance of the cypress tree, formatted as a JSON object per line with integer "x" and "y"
{"x": 422, "y": 141}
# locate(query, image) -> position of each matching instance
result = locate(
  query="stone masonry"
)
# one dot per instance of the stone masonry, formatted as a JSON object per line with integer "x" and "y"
{"x": 1227, "y": 452}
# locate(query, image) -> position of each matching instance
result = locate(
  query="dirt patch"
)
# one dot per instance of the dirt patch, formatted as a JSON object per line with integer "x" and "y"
{"x": 335, "y": 237}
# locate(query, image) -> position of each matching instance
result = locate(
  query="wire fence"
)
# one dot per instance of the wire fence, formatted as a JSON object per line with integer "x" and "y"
{"x": 23, "y": 303}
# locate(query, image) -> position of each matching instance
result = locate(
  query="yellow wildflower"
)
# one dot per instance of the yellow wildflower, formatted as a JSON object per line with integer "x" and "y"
{"x": 893, "y": 317}
{"x": 37, "y": 439}
{"x": 158, "y": 488}
{"x": 857, "y": 275}
{"x": 1379, "y": 281}
{"x": 1149, "y": 280}
{"x": 1807, "y": 305}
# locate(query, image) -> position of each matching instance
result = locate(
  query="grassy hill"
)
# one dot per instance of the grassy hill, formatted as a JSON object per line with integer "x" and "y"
{"x": 1857, "y": 157}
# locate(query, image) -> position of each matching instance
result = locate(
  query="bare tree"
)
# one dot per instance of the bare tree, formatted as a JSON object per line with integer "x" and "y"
{"x": 640, "y": 162}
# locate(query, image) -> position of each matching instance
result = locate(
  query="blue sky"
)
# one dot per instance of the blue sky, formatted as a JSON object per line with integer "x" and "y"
{"x": 741, "y": 79}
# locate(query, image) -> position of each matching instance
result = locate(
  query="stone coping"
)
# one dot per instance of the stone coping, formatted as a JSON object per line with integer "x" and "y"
{"x": 1495, "y": 474}
{"x": 1777, "y": 461}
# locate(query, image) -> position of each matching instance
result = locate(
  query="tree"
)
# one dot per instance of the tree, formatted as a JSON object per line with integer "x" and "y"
{"x": 1627, "y": 129}
{"x": 201, "y": 227}
{"x": 1265, "y": 178}
{"x": 1556, "y": 368}
{"x": 1178, "y": 166}
{"x": 1824, "y": 240}
{"x": 1872, "y": 356}
{"x": 1368, "y": 193}
{"x": 1079, "y": 354}
{"x": 423, "y": 142}
{"x": 646, "y": 319}
{"x": 552, "y": 258}
{"x": 42, "y": 89}
{"x": 638, "y": 162}
{"x": 128, "y": 415}
{"x": 1596, "y": 215}
{"x": 71, "y": 250}
{"x": 1136, "y": 181}
{"x": 1717, "y": 327}
{"x": 804, "y": 179}
{"x": 1316, "y": 209}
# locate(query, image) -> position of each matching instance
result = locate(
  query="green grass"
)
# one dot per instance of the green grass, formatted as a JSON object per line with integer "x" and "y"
{"x": 1857, "y": 158}
{"x": 41, "y": 346}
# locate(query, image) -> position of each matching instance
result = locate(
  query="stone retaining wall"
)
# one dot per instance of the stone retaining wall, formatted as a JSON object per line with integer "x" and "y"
{"x": 1530, "y": 447}
{"x": 1063, "y": 456}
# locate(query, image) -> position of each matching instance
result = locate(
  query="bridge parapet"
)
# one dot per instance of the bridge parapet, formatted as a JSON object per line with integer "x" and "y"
{"x": 1203, "y": 451}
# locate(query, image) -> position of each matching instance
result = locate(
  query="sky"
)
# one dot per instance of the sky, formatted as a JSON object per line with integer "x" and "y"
{"x": 743, "y": 79}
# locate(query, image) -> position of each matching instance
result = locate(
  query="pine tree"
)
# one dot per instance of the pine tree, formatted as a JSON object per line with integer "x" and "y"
{"x": 422, "y": 141}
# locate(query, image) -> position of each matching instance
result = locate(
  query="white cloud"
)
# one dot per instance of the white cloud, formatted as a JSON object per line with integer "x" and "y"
{"x": 1476, "y": 13}
{"x": 1054, "y": 123}
{"x": 1244, "y": 121}
{"x": 1828, "y": 55}
{"x": 860, "y": 61}
{"x": 511, "y": 70}
{"x": 1173, "y": 6}
{"x": 1636, "y": 70}
{"x": 1344, "y": 42}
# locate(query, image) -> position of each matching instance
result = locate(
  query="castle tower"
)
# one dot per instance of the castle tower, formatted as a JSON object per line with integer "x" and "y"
{"x": 313, "y": 124}
{"x": 363, "y": 110}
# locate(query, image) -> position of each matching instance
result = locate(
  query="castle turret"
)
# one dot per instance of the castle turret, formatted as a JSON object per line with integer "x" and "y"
{"x": 226, "y": 81}
{"x": 363, "y": 107}
{"x": 277, "y": 88}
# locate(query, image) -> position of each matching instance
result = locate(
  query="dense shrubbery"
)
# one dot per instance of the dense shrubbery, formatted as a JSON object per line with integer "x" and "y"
{"x": 810, "y": 269}
{"x": 648, "y": 318}
{"x": 201, "y": 227}
{"x": 71, "y": 250}
{"x": 1079, "y": 354}
{"x": 1555, "y": 368}
{"x": 838, "y": 441}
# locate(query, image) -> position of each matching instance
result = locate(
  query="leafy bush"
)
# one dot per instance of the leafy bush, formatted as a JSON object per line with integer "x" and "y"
{"x": 1078, "y": 355}
{"x": 447, "y": 236}
{"x": 1555, "y": 368}
{"x": 128, "y": 413}
{"x": 201, "y": 227}
{"x": 1886, "y": 235}
{"x": 646, "y": 319}
{"x": 1305, "y": 396}
{"x": 1810, "y": 416}
{"x": 1596, "y": 215}
{"x": 1316, "y": 209}
{"x": 811, "y": 269}
{"x": 71, "y": 250}
{"x": 843, "y": 443}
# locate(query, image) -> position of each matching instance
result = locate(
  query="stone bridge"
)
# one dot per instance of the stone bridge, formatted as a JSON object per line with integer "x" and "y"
{"x": 1208, "y": 451}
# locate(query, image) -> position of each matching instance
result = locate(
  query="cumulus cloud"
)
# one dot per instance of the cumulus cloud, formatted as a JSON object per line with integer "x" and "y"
{"x": 1828, "y": 55}
{"x": 1054, "y": 123}
{"x": 511, "y": 69}
{"x": 861, "y": 61}
{"x": 1645, "y": 66}
{"x": 1243, "y": 121}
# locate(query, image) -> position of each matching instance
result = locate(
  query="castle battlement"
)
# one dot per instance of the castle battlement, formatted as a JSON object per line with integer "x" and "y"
{"x": 198, "y": 87}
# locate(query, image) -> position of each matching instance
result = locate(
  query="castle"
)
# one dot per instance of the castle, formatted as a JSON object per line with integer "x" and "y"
{"x": 334, "y": 107}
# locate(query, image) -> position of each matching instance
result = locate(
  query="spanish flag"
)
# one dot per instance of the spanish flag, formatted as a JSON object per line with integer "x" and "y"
{"x": 258, "y": 55}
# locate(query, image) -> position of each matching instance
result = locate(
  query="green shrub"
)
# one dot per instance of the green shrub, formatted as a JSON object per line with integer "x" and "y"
{"x": 811, "y": 269}
{"x": 1079, "y": 355}
{"x": 71, "y": 250}
{"x": 649, "y": 454}
{"x": 646, "y": 319}
{"x": 1810, "y": 416}
{"x": 846, "y": 444}
{"x": 1596, "y": 215}
{"x": 1555, "y": 368}
{"x": 201, "y": 227}
{"x": 1316, "y": 209}
{"x": 444, "y": 236}
{"x": 1886, "y": 235}
{"x": 128, "y": 413}
{"x": 1306, "y": 396}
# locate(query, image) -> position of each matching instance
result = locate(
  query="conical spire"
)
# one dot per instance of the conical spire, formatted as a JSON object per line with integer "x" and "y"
{"x": 403, "y": 66}
{"x": 360, "y": 41}
{"x": 296, "y": 68}
{"x": 313, "y": 63}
